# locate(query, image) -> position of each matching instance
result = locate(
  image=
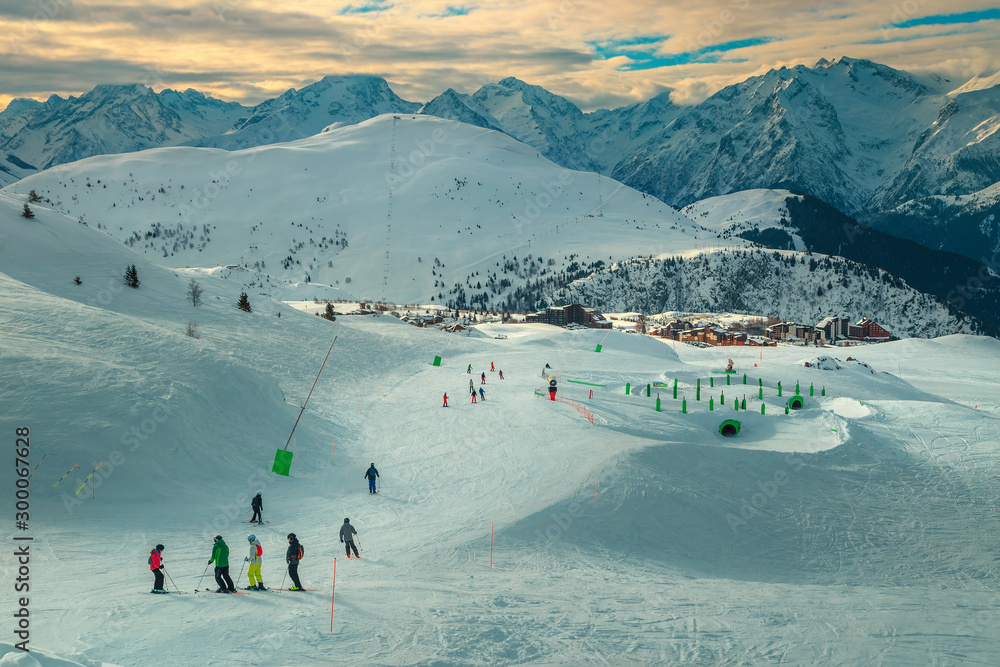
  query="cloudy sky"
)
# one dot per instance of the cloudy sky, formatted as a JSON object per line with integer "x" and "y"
{"x": 596, "y": 52}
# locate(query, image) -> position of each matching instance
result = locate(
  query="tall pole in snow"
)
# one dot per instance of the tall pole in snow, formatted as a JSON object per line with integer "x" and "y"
{"x": 310, "y": 394}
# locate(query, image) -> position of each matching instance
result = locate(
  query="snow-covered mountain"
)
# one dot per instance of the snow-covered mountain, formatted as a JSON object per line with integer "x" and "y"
{"x": 411, "y": 207}
{"x": 966, "y": 224}
{"x": 792, "y": 285}
{"x": 850, "y": 132}
{"x": 452, "y": 105}
{"x": 109, "y": 119}
{"x": 295, "y": 114}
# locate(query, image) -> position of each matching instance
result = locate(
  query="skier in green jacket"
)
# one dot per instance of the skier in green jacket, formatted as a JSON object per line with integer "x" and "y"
{"x": 220, "y": 556}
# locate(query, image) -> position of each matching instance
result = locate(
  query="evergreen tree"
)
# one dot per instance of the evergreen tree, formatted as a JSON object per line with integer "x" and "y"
{"x": 131, "y": 276}
{"x": 27, "y": 212}
{"x": 244, "y": 303}
{"x": 33, "y": 197}
{"x": 329, "y": 313}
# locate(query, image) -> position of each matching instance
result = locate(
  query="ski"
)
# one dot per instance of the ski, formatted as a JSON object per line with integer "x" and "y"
{"x": 288, "y": 590}
{"x": 206, "y": 590}
{"x": 259, "y": 523}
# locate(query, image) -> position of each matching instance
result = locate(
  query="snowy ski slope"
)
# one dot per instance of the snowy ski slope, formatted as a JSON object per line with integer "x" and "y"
{"x": 860, "y": 530}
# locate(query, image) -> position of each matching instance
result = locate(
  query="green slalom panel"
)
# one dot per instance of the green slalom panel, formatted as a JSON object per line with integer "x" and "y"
{"x": 282, "y": 462}
{"x": 437, "y": 361}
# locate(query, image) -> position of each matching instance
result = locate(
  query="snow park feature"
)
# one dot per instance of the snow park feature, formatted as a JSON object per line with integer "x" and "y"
{"x": 729, "y": 428}
{"x": 861, "y": 530}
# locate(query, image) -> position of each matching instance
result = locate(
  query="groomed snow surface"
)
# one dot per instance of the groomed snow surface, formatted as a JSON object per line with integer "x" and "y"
{"x": 860, "y": 530}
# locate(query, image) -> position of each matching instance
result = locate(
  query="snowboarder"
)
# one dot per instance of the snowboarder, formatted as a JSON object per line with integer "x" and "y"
{"x": 257, "y": 504}
{"x": 372, "y": 473}
{"x": 469, "y": 369}
{"x": 347, "y": 534}
{"x": 491, "y": 367}
{"x": 292, "y": 557}
{"x": 445, "y": 401}
{"x": 482, "y": 394}
{"x": 255, "y": 559}
{"x": 501, "y": 374}
{"x": 156, "y": 567}
{"x": 484, "y": 378}
{"x": 220, "y": 556}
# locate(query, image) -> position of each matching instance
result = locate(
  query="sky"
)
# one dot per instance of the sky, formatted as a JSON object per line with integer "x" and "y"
{"x": 594, "y": 52}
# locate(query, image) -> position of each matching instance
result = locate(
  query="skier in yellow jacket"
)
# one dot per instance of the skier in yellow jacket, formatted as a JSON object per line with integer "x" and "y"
{"x": 255, "y": 559}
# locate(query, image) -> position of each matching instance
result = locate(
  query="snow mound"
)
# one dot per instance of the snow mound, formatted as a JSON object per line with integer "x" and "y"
{"x": 848, "y": 408}
{"x": 823, "y": 363}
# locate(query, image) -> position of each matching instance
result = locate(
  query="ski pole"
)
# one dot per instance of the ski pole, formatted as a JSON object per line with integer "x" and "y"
{"x": 240, "y": 575}
{"x": 172, "y": 579}
{"x": 283, "y": 579}
{"x": 202, "y": 576}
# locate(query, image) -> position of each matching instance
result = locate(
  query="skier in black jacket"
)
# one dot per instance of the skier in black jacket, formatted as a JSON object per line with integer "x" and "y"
{"x": 370, "y": 475}
{"x": 292, "y": 558}
{"x": 257, "y": 504}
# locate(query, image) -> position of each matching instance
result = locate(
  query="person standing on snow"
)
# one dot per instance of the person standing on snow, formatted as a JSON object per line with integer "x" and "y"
{"x": 491, "y": 367}
{"x": 445, "y": 401}
{"x": 472, "y": 387}
{"x": 501, "y": 374}
{"x": 372, "y": 473}
{"x": 473, "y": 395}
{"x": 469, "y": 369}
{"x": 220, "y": 556}
{"x": 156, "y": 567}
{"x": 347, "y": 534}
{"x": 255, "y": 559}
{"x": 292, "y": 557}
{"x": 484, "y": 378}
{"x": 482, "y": 394}
{"x": 257, "y": 504}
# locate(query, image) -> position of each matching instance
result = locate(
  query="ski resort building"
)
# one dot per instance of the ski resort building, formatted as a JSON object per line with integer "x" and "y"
{"x": 835, "y": 328}
{"x": 868, "y": 331}
{"x": 573, "y": 313}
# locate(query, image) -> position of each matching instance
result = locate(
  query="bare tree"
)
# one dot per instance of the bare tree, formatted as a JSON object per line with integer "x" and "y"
{"x": 192, "y": 330}
{"x": 194, "y": 292}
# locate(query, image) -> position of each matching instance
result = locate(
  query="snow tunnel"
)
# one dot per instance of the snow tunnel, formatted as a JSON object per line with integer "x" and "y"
{"x": 729, "y": 428}
{"x": 796, "y": 403}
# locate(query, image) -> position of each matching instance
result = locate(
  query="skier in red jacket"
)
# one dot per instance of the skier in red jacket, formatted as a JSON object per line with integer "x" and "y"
{"x": 445, "y": 401}
{"x": 156, "y": 567}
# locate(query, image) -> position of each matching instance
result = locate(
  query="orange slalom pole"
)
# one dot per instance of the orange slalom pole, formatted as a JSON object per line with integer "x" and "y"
{"x": 333, "y": 593}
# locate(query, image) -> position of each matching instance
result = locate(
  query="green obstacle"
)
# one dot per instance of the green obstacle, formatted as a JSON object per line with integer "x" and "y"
{"x": 727, "y": 380}
{"x": 722, "y": 398}
{"x": 684, "y": 406}
{"x": 282, "y": 462}
{"x": 711, "y": 405}
{"x": 744, "y": 378}
{"x": 760, "y": 393}
{"x": 657, "y": 403}
{"x": 647, "y": 391}
{"x": 729, "y": 428}
{"x": 711, "y": 382}
{"x": 761, "y": 408}
{"x": 743, "y": 406}
{"x": 823, "y": 393}
{"x": 675, "y": 388}
{"x": 810, "y": 389}
{"x": 796, "y": 402}
{"x": 598, "y": 348}
{"x": 797, "y": 387}
{"x": 736, "y": 405}
{"x": 779, "y": 389}
{"x": 437, "y": 361}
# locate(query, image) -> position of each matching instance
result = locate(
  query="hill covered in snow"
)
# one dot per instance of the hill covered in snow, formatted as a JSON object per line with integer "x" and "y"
{"x": 412, "y": 208}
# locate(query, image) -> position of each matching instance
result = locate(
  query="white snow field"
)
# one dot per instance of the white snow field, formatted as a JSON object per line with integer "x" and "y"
{"x": 860, "y": 530}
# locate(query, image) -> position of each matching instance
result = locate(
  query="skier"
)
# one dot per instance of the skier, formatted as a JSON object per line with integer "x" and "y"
{"x": 292, "y": 557}
{"x": 482, "y": 394}
{"x": 469, "y": 369}
{"x": 347, "y": 534}
{"x": 472, "y": 387}
{"x": 545, "y": 371}
{"x": 484, "y": 378}
{"x": 156, "y": 567}
{"x": 372, "y": 473}
{"x": 445, "y": 401}
{"x": 257, "y": 504}
{"x": 255, "y": 559}
{"x": 491, "y": 367}
{"x": 473, "y": 395}
{"x": 220, "y": 556}
{"x": 501, "y": 374}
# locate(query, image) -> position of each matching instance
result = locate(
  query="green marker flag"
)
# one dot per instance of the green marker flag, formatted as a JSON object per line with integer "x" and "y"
{"x": 727, "y": 380}
{"x": 647, "y": 391}
{"x": 684, "y": 406}
{"x": 711, "y": 382}
{"x": 628, "y": 388}
{"x": 437, "y": 361}
{"x": 282, "y": 462}
{"x": 598, "y": 348}
{"x": 761, "y": 408}
{"x": 711, "y": 405}
{"x": 744, "y": 378}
